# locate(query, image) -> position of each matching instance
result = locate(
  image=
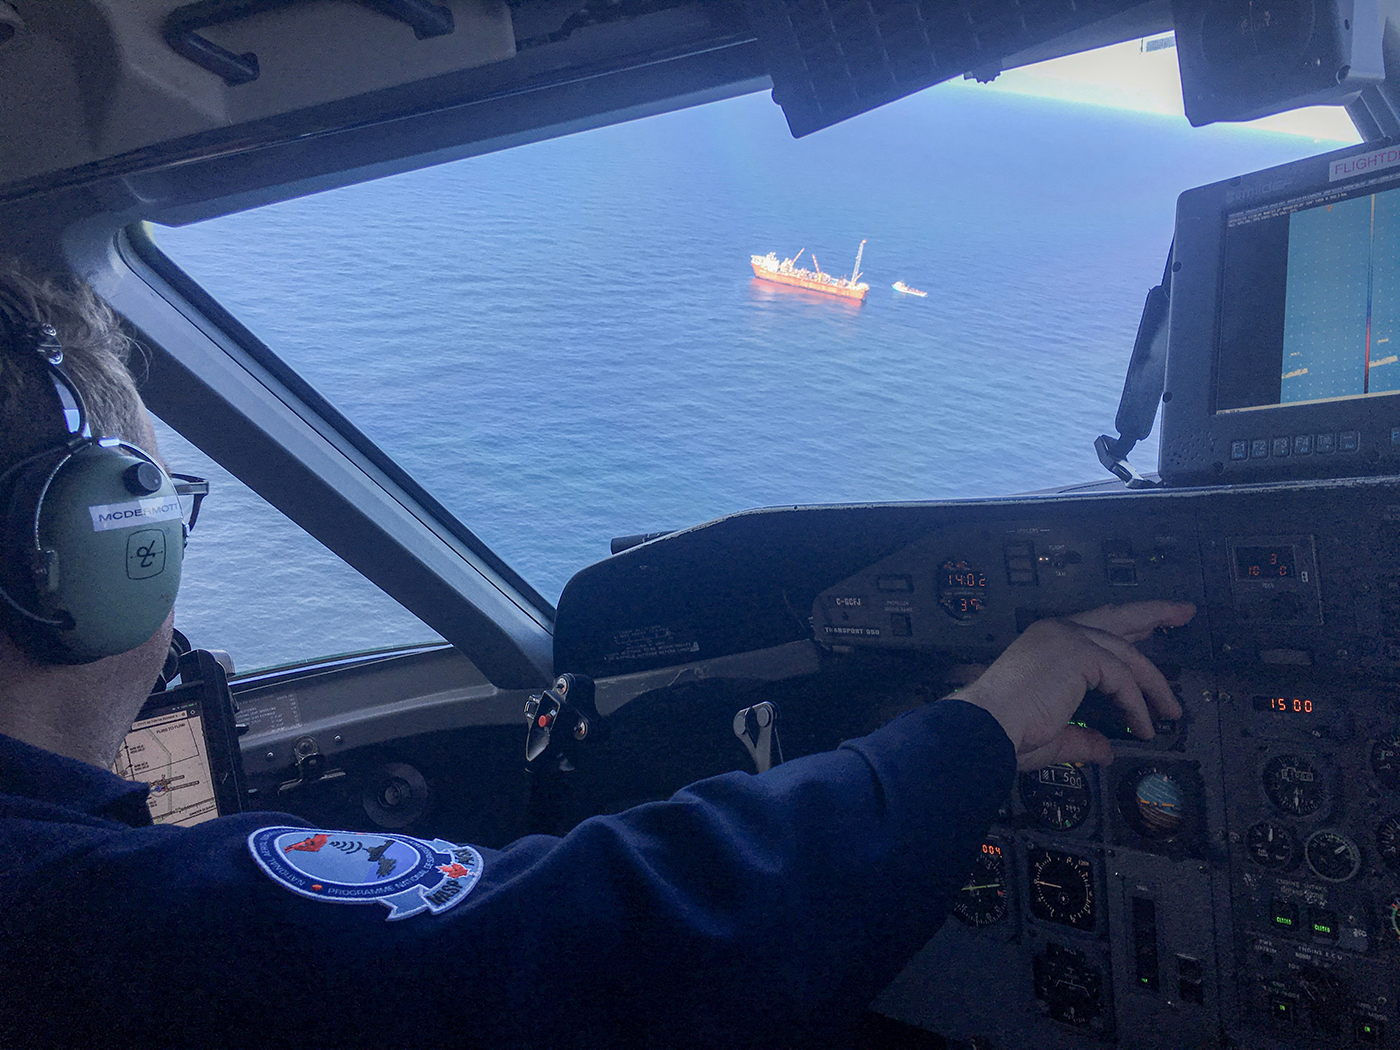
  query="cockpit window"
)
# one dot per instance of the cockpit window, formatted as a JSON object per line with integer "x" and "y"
{"x": 259, "y": 587}
{"x": 565, "y": 342}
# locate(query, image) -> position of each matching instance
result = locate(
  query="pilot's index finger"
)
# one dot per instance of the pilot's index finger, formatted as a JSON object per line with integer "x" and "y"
{"x": 1161, "y": 701}
{"x": 1137, "y": 620}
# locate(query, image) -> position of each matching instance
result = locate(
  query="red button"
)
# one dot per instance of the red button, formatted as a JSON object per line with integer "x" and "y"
{"x": 543, "y": 721}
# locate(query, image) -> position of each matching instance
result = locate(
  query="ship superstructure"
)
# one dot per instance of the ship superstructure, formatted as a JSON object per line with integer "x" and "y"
{"x": 768, "y": 268}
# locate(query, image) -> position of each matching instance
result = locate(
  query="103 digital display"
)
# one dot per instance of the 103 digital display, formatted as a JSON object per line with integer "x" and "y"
{"x": 1265, "y": 563}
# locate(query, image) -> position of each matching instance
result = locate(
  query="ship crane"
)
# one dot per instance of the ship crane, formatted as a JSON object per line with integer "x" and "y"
{"x": 855, "y": 274}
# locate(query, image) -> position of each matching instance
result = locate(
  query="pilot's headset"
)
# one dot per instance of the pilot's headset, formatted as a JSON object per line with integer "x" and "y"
{"x": 93, "y": 537}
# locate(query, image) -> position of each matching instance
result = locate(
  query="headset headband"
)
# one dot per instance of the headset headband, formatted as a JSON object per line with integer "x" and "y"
{"x": 25, "y": 333}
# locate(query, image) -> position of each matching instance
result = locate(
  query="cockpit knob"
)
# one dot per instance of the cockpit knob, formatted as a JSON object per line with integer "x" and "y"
{"x": 143, "y": 479}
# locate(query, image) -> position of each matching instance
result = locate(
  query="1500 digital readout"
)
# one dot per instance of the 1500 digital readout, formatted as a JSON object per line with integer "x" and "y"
{"x": 1290, "y": 705}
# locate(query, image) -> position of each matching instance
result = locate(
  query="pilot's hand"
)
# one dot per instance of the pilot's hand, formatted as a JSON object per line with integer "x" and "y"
{"x": 1037, "y": 683}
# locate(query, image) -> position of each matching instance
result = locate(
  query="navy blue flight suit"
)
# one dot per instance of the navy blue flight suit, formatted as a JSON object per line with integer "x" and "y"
{"x": 763, "y": 911}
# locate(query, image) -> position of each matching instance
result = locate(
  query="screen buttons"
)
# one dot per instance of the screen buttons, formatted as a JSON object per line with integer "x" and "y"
{"x": 1282, "y": 446}
{"x": 1348, "y": 441}
{"x": 1325, "y": 444}
{"x": 1239, "y": 450}
{"x": 1259, "y": 448}
{"x": 1302, "y": 444}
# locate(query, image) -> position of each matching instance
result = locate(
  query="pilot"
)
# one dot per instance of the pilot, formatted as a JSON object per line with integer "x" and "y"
{"x": 746, "y": 910}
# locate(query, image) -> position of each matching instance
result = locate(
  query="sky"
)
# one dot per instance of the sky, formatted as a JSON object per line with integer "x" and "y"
{"x": 1123, "y": 76}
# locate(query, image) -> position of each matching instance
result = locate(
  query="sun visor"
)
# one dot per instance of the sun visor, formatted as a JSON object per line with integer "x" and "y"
{"x": 833, "y": 59}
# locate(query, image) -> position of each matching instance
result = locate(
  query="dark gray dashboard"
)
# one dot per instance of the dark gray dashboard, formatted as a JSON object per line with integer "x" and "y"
{"x": 1237, "y": 878}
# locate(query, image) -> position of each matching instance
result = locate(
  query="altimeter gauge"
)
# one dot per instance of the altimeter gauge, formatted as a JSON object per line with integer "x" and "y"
{"x": 1385, "y": 760}
{"x": 1271, "y": 844}
{"x": 1057, "y": 797}
{"x": 1388, "y": 842}
{"x": 1332, "y": 856}
{"x": 1294, "y": 785}
{"x": 1062, "y": 889}
{"x": 982, "y": 901}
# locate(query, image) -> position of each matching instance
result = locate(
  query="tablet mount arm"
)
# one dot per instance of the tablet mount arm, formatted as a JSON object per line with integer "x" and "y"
{"x": 1142, "y": 388}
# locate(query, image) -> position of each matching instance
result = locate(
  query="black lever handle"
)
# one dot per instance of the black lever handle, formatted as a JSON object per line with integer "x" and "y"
{"x": 181, "y": 30}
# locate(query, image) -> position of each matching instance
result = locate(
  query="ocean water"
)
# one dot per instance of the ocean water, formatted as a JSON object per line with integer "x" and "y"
{"x": 564, "y": 342}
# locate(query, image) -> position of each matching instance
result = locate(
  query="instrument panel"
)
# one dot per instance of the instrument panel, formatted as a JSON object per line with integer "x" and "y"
{"x": 1235, "y": 880}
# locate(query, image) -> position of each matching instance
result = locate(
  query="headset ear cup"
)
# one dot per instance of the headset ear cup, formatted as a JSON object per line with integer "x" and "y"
{"x": 118, "y": 554}
{"x": 113, "y": 557}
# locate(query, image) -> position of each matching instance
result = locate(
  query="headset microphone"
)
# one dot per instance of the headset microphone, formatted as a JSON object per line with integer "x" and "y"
{"x": 93, "y": 537}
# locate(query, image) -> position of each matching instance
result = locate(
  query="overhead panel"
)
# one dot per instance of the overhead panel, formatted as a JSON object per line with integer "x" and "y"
{"x": 116, "y": 84}
{"x": 833, "y": 59}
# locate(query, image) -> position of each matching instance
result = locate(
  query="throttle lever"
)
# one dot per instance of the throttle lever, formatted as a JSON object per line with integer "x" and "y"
{"x": 757, "y": 728}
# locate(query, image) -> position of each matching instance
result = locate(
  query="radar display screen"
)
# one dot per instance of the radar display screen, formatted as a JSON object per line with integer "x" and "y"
{"x": 167, "y": 749}
{"x": 1311, "y": 304}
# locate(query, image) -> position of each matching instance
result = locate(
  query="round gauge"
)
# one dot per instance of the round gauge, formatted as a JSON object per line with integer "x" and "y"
{"x": 1388, "y": 842}
{"x": 1293, "y": 785}
{"x": 1062, "y": 889}
{"x": 962, "y": 590}
{"x": 1057, "y": 797}
{"x": 982, "y": 901}
{"x": 1332, "y": 856}
{"x": 1271, "y": 845}
{"x": 1385, "y": 760}
{"x": 1153, "y": 803}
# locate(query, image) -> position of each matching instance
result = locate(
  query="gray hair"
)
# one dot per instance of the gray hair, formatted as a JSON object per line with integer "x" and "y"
{"x": 96, "y": 356}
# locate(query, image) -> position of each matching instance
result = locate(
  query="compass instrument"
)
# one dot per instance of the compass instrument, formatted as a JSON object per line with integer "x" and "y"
{"x": 1062, "y": 889}
{"x": 1057, "y": 797}
{"x": 1271, "y": 845}
{"x": 1294, "y": 785}
{"x": 1332, "y": 856}
{"x": 982, "y": 901}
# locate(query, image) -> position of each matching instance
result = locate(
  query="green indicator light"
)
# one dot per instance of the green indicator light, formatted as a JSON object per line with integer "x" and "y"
{"x": 1321, "y": 928}
{"x": 1283, "y": 920}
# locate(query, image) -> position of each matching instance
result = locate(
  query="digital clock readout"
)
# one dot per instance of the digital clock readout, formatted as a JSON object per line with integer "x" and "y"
{"x": 1265, "y": 563}
{"x": 1284, "y": 705}
{"x": 959, "y": 575}
{"x": 961, "y": 589}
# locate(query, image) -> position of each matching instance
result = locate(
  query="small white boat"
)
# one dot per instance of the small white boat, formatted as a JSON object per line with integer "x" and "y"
{"x": 904, "y": 289}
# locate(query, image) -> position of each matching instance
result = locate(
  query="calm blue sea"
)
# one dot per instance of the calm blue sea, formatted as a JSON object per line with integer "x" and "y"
{"x": 564, "y": 342}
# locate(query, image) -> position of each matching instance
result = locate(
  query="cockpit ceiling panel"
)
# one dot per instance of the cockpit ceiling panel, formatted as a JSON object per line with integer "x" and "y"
{"x": 833, "y": 59}
{"x": 85, "y": 80}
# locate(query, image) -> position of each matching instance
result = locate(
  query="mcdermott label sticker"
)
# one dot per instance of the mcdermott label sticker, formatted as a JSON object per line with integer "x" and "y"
{"x": 108, "y": 516}
{"x": 406, "y": 875}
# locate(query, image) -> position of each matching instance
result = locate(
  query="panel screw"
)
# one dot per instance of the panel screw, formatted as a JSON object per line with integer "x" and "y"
{"x": 271, "y": 757}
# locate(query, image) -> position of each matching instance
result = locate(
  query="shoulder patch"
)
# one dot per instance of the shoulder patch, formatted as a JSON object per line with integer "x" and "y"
{"x": 406, "y": 875}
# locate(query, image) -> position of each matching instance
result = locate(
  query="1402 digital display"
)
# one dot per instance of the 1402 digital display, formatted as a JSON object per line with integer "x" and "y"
{"x": 1284, "y": 705}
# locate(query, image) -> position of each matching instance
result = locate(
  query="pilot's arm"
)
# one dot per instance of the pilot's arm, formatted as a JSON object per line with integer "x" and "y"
{"x": 745, "y": 911}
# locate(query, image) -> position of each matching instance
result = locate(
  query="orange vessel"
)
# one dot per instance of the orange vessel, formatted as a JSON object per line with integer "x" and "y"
{"x": 768, "y": 268}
